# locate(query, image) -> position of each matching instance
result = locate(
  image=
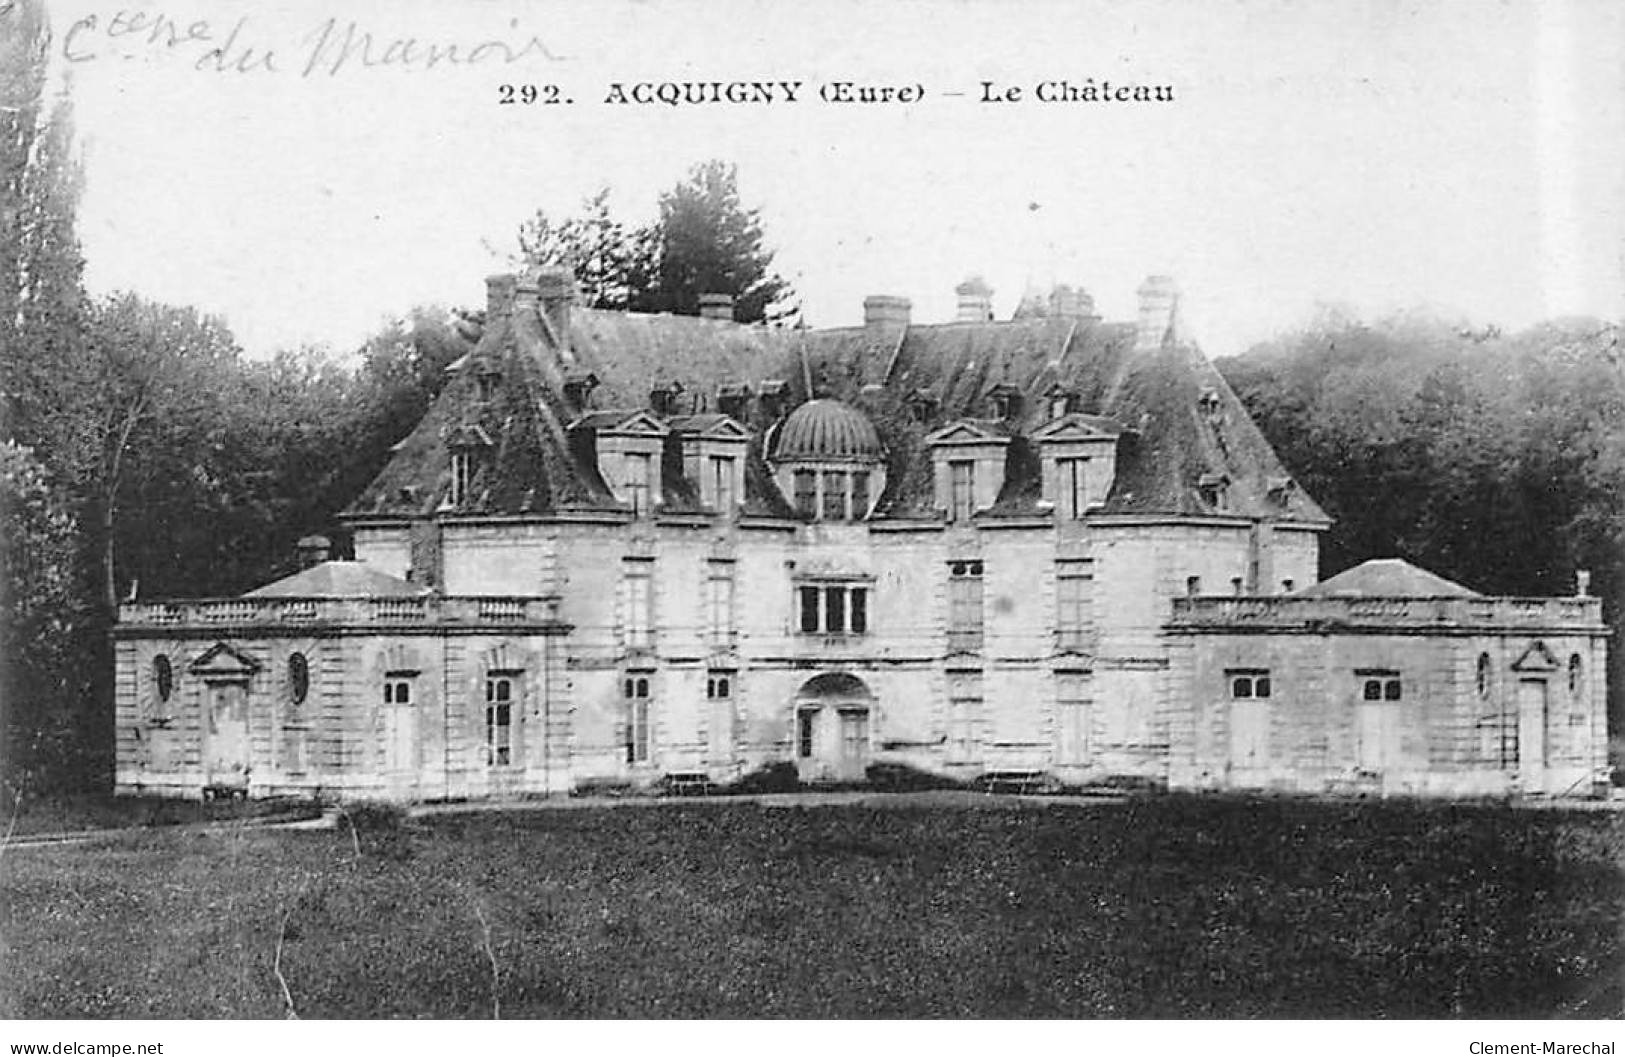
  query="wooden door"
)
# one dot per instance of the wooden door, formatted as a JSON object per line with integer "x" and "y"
{"x": 854, "y": 748}
{"x": 225, "y": 742}
{"x": 1532, "y": 733}
{"x": 809, "y": 731}
{"x": 1379, "y": 736}
{"x": 1249, "y": 741}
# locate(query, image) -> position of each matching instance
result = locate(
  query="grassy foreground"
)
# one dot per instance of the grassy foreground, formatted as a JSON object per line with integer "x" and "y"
{"x": 1163, "y": 907}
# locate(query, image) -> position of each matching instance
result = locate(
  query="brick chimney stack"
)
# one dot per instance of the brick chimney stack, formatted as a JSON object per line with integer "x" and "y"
{"x": 885, "y": 317}
{"x": 975, "y": 300}
{"x": 556, "y": 292}
{"x": 499, "y": 291}
{"x": 1159, "y": 308}
{"x": 717, "y": 306}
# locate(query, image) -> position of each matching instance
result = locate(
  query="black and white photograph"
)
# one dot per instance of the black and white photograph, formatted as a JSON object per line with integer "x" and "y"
{"x": 995, "y": 511}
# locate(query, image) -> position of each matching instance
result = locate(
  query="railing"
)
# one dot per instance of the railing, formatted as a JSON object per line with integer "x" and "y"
{"x": 1396, "y": 612}
{"x": 427, "y": 610}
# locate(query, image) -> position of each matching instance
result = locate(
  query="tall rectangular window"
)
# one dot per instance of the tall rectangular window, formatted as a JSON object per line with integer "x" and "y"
{"x": 640, "y": 481}
{"x": 638, "y": 624}
{"x": 835, "y": 609}
{"x": 722, "y": 483}
{"x": 1074, "y": 579}
{"x": 1072, "y": 717}
{"x": 462, "y": 475}
{"x": 806, "y": 486}
{"x": 834, "y": 507}
{"x": 499, "y": 700}
{"x": 961, "y": 489}
{"x": 858, "y": 610}
{"x": 965, "y": 605}
{"x": 807, "y": 599}
{"x": 860, "y": 494}
{"x": 635, "y": 691}
{"x": 719, "y": 589}
{"x": 964, "y": 715}
{"x": 1071, "y": 484}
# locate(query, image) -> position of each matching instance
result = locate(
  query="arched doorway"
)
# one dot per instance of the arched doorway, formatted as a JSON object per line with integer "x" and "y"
{"x": 832, "y": 728}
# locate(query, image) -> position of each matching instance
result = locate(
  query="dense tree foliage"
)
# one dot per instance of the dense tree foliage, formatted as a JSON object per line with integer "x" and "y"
{"x": 1496, "y": 460}
{"x": 704, "y": 241}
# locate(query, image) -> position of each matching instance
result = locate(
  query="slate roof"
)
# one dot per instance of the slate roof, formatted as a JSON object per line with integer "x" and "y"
{"x": 1387, "y": 578}
{"x": 1179, "y": 420}
{"x": 336, "y": 579}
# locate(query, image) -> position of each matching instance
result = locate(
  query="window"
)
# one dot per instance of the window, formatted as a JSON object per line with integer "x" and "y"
{"x": 397, "y": 690}
{"x": 640, "y": 492}
{"x": 1071, "y": 485}
{"x": 298, "y": 678}
{"x": 1193, "y": 586}
{"x": 719, "y": 685}
{"x": 860, "y": 494}
{"x": 806, "y": 482}
{"x": 1248, "y": 683}
{"x": 962, "y": 490}
{"x": 965, "y": 605}
{"x": 462, "y": 475}
{"x": 833, "y": 609}
{"x": 499, "y": 698}
{"x": 834, "y": 508}
{"x": 1074, "y": 579}
{"x": 163, "y": 677}
{"x": 488, "y": 381}
{"x": 1072, "y": 717}
{"x": 806, "y": 733}
{"x": 639, "y": 622}
{"x": 1576, "y": 675}
{"x": 1380, "y": 686}
{"x": 722, "y": 483}
{"x": 635, "y": 690}
{"x": 964, "y": 713}
{"x": 1483, "y": 675}
{"x": 719, "y": 587}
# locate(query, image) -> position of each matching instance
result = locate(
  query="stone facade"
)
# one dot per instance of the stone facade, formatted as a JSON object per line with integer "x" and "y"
{"x": 1045, "y": 548}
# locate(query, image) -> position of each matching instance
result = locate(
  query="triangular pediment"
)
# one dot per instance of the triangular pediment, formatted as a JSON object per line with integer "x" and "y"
{"x": 1537, "y": 658}
{"x": 1076, "y": 426}
{"x": 965, "y": 431}
{"x": 622, "y": 423}
{"x": 715, "y": 427}
{"x": 222, "y": 661}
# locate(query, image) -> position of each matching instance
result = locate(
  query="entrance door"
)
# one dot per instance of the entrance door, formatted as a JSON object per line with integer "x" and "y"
{"x": 1249, "y": 742}
{"x": 854, "y": 760}
{"x": 225, "y": 742}
{"x": 1379, "y": 736}
{"x": 1532, "y": 733}
{"x": 807, "y": 744}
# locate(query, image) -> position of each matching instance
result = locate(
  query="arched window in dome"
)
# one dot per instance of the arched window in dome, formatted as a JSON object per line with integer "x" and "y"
{"x": 828, "y": 462}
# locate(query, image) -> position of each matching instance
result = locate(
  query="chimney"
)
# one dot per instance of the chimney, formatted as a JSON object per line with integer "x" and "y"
{"x": 1071, "y": 302}
{"x": 1159, "y": 305}
{"x": 1582, "y": 583}
{"x": 885, "y": 317}
{"x": 555, "y": 291}
{"x": 499, "y": 291}
{"x": 717, "y": 306}
{"x": 975, "y": 300}
{"x": 313, "y": 550}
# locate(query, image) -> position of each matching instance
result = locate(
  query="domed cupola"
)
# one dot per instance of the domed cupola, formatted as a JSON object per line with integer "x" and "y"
{"x": 828, "y": 461}
{"x": 828, "y": 431}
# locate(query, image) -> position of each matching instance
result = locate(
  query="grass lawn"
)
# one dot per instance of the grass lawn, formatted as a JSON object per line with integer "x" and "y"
{"x": 1160, "y": 907}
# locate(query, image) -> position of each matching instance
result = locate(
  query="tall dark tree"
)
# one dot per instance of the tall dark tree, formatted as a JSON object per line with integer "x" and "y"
{"x": 704, "y": 241}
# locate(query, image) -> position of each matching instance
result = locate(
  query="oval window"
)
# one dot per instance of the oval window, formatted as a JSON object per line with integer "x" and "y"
{"x": 1483, "y": 675}
{"x": 163, "y": 676}
{"x": 298, "y": 678}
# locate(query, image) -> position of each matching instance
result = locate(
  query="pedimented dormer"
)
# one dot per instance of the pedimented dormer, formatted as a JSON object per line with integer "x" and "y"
{"x": 968, "y": 465}
{"x": 470, "y": 448}
{"x": 627, "y": 447}
{"x": 713, "y": 449}
{"x": 1078, "y": 454}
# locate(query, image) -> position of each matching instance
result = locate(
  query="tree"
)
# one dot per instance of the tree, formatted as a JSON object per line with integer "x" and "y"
{"x": 611, "y": 261}
{"x": 704, "y": 241}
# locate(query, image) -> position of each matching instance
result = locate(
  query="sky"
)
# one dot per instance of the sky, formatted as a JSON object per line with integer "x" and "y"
{"x": 1467, "y": 157}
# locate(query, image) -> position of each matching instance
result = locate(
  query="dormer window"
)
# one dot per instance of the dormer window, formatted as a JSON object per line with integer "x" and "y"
{"x": 922, "y": 406}
{"x": 1062, "y": 400}
{"x": 487, "y": 382}
{"x": 663, "y": 398}
{"x": 774, "y": 396}
{"x": 828, "y": 461}
{"x": 1213, "y": 488}
{"x": 734, "y": 400}
{"x": 1210, "y": 405}
{"x": 578, "y": 387}
{"x": 1004, "y": 401}
{"x": 462, "y": 475}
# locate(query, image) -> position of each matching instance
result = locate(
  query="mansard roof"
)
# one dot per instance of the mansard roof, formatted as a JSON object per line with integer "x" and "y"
{"x": 338, "y": 579}
{"x": 1177, "y": 419}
